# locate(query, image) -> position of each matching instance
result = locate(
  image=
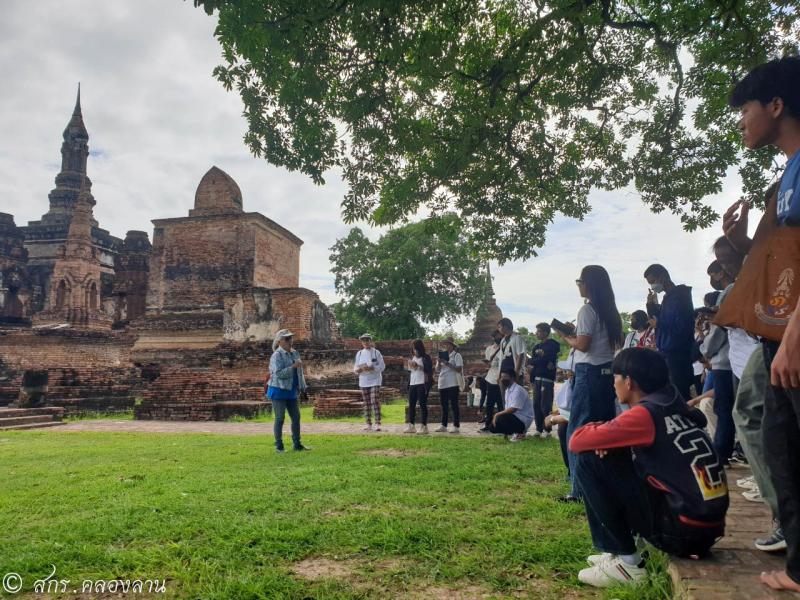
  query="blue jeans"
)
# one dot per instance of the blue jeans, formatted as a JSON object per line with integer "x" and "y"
{"x": 593, "y": 399}
{"x": 280, "y": 407}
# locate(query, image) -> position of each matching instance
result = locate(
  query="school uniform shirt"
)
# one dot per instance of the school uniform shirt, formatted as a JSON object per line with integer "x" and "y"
{"x": 632, "y": 339}
{"x": 417, "y": 375}
{"x": 493, "y": 375}
{"x": 518, "y": 397}
{"x": 512, "y": 346}
{"x": 600, "y": 351}
{"x": 372, "y": 357}
{"x": 449, "y": 377}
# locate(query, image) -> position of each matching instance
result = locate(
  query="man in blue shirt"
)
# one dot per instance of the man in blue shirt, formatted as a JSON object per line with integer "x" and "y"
{"x": 769, "y": 102}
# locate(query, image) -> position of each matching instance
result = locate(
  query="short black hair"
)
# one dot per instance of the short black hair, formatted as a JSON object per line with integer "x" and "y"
{"x": 714, "y": 267}
{"x": 505, "y": 322}
{"x": 656, "y": 270}
{"x": 711, "y": 298}
{"x": 646, "y": 367}
{"x": 779, "y": 78}
{"x": 639, "y": 317}
{"x": 544, "y": 327}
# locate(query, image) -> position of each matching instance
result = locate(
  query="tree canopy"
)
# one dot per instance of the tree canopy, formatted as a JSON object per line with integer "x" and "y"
{"x": 506, "y": 112}
{"x": 420, "y": 272}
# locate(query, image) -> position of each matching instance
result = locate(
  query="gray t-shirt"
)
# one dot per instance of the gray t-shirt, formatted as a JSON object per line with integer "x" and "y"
{"x": 600, "y": 350}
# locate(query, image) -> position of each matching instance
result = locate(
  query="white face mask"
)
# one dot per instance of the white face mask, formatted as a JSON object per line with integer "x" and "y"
{"x": 657, "y": 287}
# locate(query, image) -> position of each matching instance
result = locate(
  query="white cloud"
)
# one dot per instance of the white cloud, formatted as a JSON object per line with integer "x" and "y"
{"x": 158, "y": 120}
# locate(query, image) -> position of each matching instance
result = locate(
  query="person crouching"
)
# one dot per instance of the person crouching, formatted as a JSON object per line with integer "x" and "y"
{"x": 517, "y": 416}
{"x": 652, "y": 470}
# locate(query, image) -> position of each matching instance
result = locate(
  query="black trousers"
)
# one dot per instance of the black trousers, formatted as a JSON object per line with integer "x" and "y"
{"x": 681, "y": 372}
{"x": 542, "y": 401}
{"x": 562, "y": 440}
{"x": 494, "y": 403}
{"x": 619, "y": 503}
{"x": 449, "y": 397}
{"x": 781, "y": 431}
{"x": 507, "y": 424}
{"x": 725, "y": 434}
{"x": 418, "y": 394}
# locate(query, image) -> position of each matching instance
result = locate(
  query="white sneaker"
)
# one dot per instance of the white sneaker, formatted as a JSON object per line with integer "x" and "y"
{"x": 747, "y": 483}
{"x": 368, "y": 428}
{"x": 455, "y": 430}
{"x": 410, "y": 429}
{"x": 440, "y": 429}
{"x": 536, "y": 434}
{"x": 517, "y": 437}
{"x": 423, "y": 430}
{"x": 611, "y": 571}
{"x": 378, "y": 427}
{"x": 753, "y": 495}
{"x": 596, "y": 559}
{"x": 545, "y": 435}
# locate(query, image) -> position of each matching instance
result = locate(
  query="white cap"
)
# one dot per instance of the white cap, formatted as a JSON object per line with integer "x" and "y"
{"x": 365, "y": 336}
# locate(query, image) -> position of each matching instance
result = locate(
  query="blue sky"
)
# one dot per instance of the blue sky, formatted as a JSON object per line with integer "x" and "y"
{"x": 158, "y": 120}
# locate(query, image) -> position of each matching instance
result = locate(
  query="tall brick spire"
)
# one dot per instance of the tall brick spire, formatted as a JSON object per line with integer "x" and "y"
{"x": 72, "y": 178}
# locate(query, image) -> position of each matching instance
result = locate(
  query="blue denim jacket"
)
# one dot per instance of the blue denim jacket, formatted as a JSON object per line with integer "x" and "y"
{"x": 281, "y": 372}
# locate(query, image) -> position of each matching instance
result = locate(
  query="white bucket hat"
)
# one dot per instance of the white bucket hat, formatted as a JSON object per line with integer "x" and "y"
{"x": 283, "y": 333}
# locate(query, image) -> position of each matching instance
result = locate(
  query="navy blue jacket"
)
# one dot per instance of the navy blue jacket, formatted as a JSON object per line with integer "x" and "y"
{"x": 675, "y": 327}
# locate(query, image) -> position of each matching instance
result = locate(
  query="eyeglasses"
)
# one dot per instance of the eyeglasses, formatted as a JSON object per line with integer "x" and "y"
{"x": 579, "y": 281}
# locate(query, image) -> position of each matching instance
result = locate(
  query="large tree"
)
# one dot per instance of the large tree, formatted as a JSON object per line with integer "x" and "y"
{"x": 420, "y": 272}
{"x": 504, "y": 111}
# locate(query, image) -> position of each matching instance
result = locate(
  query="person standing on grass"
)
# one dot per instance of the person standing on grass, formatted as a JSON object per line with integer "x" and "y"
{"x": 494, "y": 401}
{"x": 674, "y": 325}
{"x": 512, "y": 345}
{"x": 369, "y": 367}
{"x": 542, "y": 362}
{"x": 286, "y": 382}
{"x": 598, "y": 333}
{"x": 517, "y": 416}
{"x": 421, "y": 367}
{"x": 451, "y": 373}
{"x": 764, "y": 299}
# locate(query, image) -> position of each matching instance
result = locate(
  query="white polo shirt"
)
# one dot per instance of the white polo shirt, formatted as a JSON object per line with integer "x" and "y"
{"x": 372, "y": 357}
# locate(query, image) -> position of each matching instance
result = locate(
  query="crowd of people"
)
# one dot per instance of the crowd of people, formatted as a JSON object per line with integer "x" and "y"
{"x": 648, "y": 421}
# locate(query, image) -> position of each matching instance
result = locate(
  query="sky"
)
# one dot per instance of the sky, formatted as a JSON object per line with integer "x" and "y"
{"x": 158, "y": 120}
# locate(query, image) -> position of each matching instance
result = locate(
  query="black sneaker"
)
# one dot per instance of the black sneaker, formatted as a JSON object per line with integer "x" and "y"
{"x": 279, "y": 449}
{"x": 300, "y": 448}
{"x": 484, "y": 430}
{"x": 774, "y": 543}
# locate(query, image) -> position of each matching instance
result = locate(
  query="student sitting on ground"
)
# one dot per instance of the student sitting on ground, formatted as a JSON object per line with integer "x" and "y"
{"x": 517, "y": 416}
{"x": 652, "y": 470}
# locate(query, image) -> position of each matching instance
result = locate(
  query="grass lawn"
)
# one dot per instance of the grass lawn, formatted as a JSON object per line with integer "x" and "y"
{"x": 357, "y": 517}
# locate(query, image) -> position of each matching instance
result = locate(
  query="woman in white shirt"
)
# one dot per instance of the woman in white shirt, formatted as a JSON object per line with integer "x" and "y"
{"x": 421, "y": 367}
{"x": 598, "y": 333}
{"x": 450, "y": 374}
{"x": 369, "y": 367}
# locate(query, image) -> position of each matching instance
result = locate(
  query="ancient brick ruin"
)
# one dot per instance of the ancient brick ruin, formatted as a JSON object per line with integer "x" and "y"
{"x": 180, "y": 328}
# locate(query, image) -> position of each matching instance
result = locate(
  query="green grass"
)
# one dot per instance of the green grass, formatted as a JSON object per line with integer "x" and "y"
{"x": 224, "y": 517}
{"x": 392, "y": 412}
